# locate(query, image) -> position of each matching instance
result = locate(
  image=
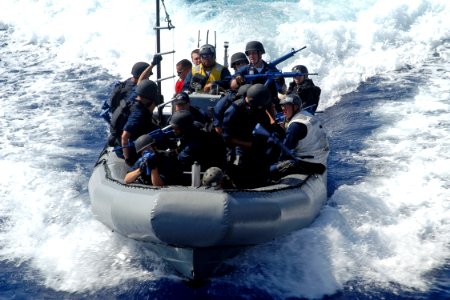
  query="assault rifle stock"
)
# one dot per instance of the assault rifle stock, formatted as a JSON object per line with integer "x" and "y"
{"x": 260, "y": 130}
{"x": 157, "y": 134}
{"x": 280, "y": 59}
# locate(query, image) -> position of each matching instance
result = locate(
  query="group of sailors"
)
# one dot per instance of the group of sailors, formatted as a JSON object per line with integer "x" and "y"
{"x": 244, "y": 144}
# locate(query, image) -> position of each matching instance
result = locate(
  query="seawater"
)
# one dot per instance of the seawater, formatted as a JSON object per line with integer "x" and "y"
{"x": 384, "y": 72}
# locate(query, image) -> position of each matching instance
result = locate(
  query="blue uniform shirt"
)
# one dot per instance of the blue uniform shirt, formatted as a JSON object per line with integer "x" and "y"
{"x": 140, "y": 121}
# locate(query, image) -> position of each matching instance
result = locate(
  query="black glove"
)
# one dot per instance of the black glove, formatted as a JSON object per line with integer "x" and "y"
{"x": 143, "y": 167}
{"x": 157, "y": 58}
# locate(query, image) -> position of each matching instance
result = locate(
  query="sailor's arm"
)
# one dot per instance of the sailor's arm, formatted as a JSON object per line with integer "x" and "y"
{"x": 132, "y": 176}
{"x": 124, "y": 142}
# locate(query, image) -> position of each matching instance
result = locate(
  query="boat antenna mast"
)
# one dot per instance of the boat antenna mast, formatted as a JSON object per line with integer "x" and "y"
{"x": 225, "y": 56}
{"x": 158, "y": 29}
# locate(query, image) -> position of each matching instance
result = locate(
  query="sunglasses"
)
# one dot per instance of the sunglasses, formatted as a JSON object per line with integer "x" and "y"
{"x": 240, "y": 63}
{"x": 204, "y": 56}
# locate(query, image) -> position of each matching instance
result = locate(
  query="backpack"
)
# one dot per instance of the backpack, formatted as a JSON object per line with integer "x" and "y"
{"x": 316, "y": 94}
{"x": 119, "y": 92}
{"x": 118, "y": 120}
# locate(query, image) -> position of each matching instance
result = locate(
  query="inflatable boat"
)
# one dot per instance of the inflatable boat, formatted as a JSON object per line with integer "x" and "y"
{"x": 195, "y": 229}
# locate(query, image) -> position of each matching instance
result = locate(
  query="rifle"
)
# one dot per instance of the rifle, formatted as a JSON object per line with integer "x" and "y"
{"x": 274, "y": 63}
{"x": 270, "y": 76}
{"x": 157, "y": 134}
{"x": 308, "y": 167}
{"x": 260, "y": 130}
{"x": 105, "y": 114}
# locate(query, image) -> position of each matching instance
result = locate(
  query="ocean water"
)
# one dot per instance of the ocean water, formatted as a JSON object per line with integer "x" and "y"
{"x": 384, "y": 70}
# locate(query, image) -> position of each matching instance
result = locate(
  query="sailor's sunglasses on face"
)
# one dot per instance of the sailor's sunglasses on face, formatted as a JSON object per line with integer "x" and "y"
{"x": 240, "y": 63}
{"x": 179, "y": 72}
{"x": 205, "y": 56}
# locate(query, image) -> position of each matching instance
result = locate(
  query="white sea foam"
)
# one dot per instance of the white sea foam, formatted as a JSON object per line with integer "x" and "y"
{"x": 389, "y": 227}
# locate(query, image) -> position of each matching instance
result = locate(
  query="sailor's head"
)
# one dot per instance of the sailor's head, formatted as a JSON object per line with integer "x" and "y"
{"x": 147, "y": 93}
{"x": 254, "y": 51}
{"x": 242, "y": 91}
{"x": 195, "y": 57}
{"x": 300, "y": 69}
{"x": 207, "y": 55}
{"x": 258, "y": 97}
{"x": 144, "y": 143}
{"x": 182, "y": 122}
{"x": 213, "y": 177}
{"x": 181, "y": 101}
{"x": 290, "y": 105}
{"x": 238, "y": 60}
{"x": 138, "y": 68}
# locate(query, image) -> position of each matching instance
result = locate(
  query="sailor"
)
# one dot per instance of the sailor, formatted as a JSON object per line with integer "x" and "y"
{"x": 195, "y": 57}
{"x": 123, "y": 96}
{"x": 254, "y": 51}
{"x": 305, "y": 137}
{"x": 208, "y": 73}
{"x": 140, "y": 120}
{"x": 127, "y": 89}
{"x": 196, "y": 145}
{"x": 183, "y": 68}
{"x": 305, "y": 88}
{"x": 248, "y": 164}
{"x": 238, "y": 60}
{"x": 182, "y": 101}
{"x": 154, "y": 167}
{"x": 222, "y": 105}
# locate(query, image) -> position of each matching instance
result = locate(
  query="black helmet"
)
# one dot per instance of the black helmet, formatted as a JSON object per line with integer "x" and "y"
{"x": 291, "y": 98}
{"x": 258, "y": 96}
{"x": 254, "y": 46}
{"x": 242, "y": 91}
{"x": 142, "y": 142}
{"x": 147, "y": 89}
{"x": 238, "y": 57}
{"x": 301, "y": 69}
{"x": 182, "y": 119}
{"x": 181, "y": 98}
{"x": 138, "y": 68}
{"x": 212, "y": 177}
{"x": 208, "y": 49}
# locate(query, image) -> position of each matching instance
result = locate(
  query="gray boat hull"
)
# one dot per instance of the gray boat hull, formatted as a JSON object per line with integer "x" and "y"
{"x": 195, "y": 229}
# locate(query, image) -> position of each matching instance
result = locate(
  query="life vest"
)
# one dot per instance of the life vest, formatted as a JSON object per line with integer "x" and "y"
{"x": 314, "y": 146}
{"x": 214, "y": 74}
